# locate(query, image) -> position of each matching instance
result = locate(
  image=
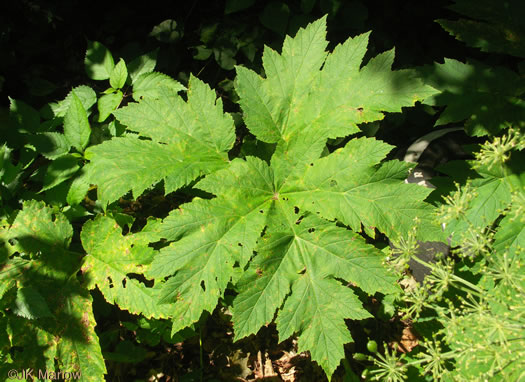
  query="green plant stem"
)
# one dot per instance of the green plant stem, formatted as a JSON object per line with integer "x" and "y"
{"x": 475, "y": 289}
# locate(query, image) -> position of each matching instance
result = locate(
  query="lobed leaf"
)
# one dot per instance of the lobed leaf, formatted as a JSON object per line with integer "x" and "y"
{"x": 59, "y": 326}
{"x": 270, "y": 229}
{"x": 185, "y": 140}
{"x": 111, "y": 259}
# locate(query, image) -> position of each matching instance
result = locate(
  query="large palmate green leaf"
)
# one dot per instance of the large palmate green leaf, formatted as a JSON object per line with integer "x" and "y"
{"x": 178, "y": 141}
{"x": 271, "y": 227}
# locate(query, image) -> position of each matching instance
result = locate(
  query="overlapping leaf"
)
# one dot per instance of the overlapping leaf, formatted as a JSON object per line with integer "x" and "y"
{"x": 487, "y": 97}
{"x": 181, "y": 141}
{"x": 110, "y": 261}
{"x": 307, "y": 97}
{"x": 491, "y": 28}
{"x": 493, "y": 192}
{"x": 217, "y": 235}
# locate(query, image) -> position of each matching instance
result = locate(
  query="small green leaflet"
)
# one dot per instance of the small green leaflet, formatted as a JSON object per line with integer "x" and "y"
{"x": 118, "y": 75}
{"x": 143, "y": 64}
{"x": 76, "y": 124}
{"x": 99, "y": 62}
{"x": 87, "y": 97}
{"x": 188, "y": 139}
{"x": 108, "y": 103}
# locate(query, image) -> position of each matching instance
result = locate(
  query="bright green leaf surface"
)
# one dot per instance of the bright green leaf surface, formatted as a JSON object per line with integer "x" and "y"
{"x": 350, "y": 186}
{"x": 76, "y": 124}
{"x": 188, "y": 139}
{"x": 143, "y": 64}
{"x": 111, "y": 258}
{"x": 118, "y": 75}
{"x": 148, "y": 86}
{"x": 87, "y": 97}
{"x": 299, "y": 107}
{"x": 107, "y": 104}
{"x": 302, "y": 255}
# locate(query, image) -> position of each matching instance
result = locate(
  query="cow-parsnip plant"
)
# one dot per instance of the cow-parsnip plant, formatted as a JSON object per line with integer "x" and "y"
{"x": 284, "y": 233}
